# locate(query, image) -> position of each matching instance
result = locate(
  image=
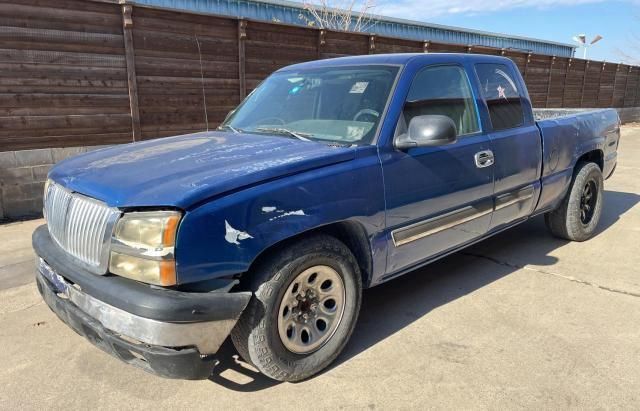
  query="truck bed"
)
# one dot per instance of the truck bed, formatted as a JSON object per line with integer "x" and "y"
{"x": 567, "y": 132}
{"x": 552, "y": 113}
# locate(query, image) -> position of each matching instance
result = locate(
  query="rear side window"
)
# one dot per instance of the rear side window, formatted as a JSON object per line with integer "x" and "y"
{"x": 502, "y": 95}
{"x": 443, "y": 90}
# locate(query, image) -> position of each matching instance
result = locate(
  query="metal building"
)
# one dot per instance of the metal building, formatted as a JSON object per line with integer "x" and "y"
{"x": 289, "y": 12}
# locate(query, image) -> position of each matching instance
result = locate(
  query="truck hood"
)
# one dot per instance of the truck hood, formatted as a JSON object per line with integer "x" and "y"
{"x": 184, "y": 170}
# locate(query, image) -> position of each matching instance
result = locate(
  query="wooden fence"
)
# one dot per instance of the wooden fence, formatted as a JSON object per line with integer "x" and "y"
{"x": 80, "y": 73}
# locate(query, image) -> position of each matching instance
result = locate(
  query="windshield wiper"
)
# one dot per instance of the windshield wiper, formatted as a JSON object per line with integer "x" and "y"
{"x": 281, "y": 130}
{"x": 228, "y": 127}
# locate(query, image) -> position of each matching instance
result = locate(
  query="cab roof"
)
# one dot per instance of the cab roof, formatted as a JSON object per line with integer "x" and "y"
{"x": 398, "y": 59}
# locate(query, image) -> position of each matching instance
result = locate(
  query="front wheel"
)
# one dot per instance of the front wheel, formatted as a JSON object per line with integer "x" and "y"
{"x": 578, "y": 215}
{"x": 304, "y": 309}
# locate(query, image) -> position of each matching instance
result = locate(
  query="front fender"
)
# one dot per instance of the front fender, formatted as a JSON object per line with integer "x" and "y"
{"x": 224, "y": 236}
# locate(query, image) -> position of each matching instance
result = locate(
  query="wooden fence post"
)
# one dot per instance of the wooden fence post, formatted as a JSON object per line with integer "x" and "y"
{"x": 566, "y": 78}
{"x": 526, "y": 67}
{"x": 551, "y": 63}
{"x": 626, "y": 84}
{"x": 242, "y": 78}
{"x": 372, "y": 44}
{"x": 600, "y": 84}
{"x": 615, "y": 81}
{"x": 584, "y": 80}
{"x": 322, "y": 33}
{"x": 636, "y": 94}
{"x": 130, "y": 58}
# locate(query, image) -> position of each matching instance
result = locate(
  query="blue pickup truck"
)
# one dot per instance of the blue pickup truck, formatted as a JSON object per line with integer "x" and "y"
{"x": 331, "y": 177}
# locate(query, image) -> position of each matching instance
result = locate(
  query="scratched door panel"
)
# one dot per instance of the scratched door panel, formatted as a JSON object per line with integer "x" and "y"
{"x": 441, "y": 191}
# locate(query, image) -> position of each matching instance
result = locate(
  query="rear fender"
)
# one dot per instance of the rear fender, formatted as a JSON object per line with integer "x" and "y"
{"x": 568, "y": 139}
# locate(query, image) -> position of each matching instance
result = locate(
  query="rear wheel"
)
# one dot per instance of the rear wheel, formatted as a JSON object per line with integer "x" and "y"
{"x": 304, "y": 309}
{"x": 578, "y": 215}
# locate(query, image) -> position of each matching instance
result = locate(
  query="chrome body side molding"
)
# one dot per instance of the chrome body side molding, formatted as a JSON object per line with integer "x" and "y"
{"x": 508, "y": 199}
{"x": 421, "y": 229}
{"x": 434, "y": 225}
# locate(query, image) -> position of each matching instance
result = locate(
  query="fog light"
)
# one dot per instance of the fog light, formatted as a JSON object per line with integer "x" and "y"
{"x": 159, "y": 272}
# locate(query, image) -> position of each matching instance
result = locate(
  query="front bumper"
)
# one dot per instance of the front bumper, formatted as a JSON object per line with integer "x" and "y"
{"x": 178, "y": 347}
{"x": 184, "y": 363}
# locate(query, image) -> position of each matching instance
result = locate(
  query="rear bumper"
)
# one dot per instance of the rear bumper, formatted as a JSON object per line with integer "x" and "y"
{"x": 167, "y": 332}
{"x": 610, "y": 164}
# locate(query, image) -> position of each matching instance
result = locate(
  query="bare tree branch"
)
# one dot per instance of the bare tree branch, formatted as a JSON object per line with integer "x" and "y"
{"x": 626, "y": 58}
{"x": 343, "y": 15}
{"x": 632, "y": 51}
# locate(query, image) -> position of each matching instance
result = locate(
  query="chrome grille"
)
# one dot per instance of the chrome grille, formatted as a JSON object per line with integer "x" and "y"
{"x": 80, "y": 225}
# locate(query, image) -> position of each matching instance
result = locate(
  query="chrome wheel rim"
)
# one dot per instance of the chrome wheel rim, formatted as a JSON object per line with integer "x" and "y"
{"x": 311, "y": 309}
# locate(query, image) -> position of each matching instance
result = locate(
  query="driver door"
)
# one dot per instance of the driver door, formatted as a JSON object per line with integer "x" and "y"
{"x": 438, "y": 198}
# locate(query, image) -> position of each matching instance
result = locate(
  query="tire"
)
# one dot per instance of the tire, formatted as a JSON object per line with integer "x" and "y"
{"x": 572, "y": 220}
{"x": 260, "y": 338}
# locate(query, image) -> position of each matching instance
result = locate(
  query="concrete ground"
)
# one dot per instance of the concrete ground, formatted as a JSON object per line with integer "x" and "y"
{"x": 521, "y": 320}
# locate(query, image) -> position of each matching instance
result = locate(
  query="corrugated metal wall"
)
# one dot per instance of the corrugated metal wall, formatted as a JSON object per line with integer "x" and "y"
{"x": 288, "y": 12}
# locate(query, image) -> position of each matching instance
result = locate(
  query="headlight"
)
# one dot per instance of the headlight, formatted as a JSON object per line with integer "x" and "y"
{"x": 148, "y": 230}
{"x": 143, "y": 247}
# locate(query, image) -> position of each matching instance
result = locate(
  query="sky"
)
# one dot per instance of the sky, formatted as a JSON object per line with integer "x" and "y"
{"x": 555, "y": 20}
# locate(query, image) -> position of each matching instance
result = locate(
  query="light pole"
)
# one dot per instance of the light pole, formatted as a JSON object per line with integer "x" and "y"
{"x": 581, "y": 39}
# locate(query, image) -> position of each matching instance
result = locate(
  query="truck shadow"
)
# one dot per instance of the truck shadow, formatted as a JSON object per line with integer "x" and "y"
{"x": 390, "y": 307}
{"x": 235, "y": 374}
{"x": 616, "y": 203}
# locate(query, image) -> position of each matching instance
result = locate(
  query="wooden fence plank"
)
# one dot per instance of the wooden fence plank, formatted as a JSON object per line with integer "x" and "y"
{"x": 39, "y": 100}
{"x": 9, "y": 125}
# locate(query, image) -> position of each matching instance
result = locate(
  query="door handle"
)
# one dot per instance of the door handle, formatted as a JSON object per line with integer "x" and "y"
{"x": 484, "y": 159}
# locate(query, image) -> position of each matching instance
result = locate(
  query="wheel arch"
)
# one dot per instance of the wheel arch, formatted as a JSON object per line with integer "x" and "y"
{"x": 593, "y": 156}
{"x": 351, "y": 233}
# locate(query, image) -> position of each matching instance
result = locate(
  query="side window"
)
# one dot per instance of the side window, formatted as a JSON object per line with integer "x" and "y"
{"x": 501, "y": 94}
{"x": 443, "y": 90}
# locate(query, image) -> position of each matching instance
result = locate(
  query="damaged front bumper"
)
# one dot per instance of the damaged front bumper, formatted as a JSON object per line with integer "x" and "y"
{"x": 169, "y": 333}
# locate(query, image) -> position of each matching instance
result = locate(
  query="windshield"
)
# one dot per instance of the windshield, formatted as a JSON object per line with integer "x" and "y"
{"x": 341, "y": 105}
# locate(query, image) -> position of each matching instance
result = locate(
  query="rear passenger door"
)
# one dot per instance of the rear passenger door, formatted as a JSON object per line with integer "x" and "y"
{"x": 515, "y": 143}
{"x": 438, "y": 198}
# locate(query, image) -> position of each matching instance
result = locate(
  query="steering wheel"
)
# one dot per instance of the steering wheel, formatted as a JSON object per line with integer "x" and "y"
{"x": 365, "y": 111}
{"x": 267, "y": 121}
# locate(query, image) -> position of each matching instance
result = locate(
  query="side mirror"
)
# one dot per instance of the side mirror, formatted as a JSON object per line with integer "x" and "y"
{"x": 427, "y": 131}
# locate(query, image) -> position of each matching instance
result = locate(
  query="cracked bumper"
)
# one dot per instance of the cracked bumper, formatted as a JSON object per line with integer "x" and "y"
{"x": 166, "y": 332}
{"x": 183, "y": 363}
